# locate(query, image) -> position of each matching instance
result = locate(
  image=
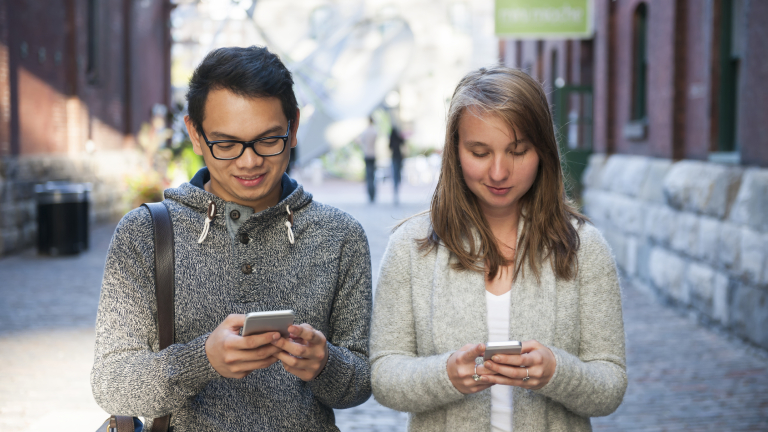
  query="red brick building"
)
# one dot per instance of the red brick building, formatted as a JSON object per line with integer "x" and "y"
{"x": 77, "y": 80}
{"x": 665, "y": 111}
{"x": 679, "y": 79}
{"x": 73, "y": 70}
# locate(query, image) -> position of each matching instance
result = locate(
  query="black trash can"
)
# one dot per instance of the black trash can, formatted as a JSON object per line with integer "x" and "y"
{"x": 62, "y": 217}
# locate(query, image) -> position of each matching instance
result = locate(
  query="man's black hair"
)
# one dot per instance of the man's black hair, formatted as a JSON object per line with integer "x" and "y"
{"x": 251, "y": 72}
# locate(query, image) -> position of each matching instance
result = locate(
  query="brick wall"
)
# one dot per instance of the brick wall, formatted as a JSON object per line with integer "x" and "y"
{"x": 698, "y": 81}
{"x": 150, "y": 43}
{"x": 753, "y": 93}
{"x": 50, "y": 62}
{"x": 682, "y": 78}
{"x": 5, "y": 84}
{"x": 69, "y": 112}
{"x": 102, "y": 88}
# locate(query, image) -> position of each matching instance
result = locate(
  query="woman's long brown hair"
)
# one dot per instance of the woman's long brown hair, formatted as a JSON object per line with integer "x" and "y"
{"x": 548, "y": 233}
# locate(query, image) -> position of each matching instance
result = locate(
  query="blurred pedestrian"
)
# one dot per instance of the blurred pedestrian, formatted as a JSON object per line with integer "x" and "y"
{"x": 501, "y": 255}
{"x": 395, "y": 145}
{"x": 247, "y": 238}
{"x": 368, "y": 144}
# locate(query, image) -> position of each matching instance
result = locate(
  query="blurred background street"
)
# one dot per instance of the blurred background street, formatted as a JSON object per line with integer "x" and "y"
{"x": 659, "y": 108}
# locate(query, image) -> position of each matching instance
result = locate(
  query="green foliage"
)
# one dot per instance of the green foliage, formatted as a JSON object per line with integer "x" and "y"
{"x": 184, "y": 163}
{"x": 144, "y": 188}
{"x": 170, "y": 161}
{"x": 347, "y": 162}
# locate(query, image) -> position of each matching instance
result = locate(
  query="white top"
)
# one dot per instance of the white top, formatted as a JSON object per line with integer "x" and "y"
{"x": 368, "y": 141}
{"x": 498, "y": 331}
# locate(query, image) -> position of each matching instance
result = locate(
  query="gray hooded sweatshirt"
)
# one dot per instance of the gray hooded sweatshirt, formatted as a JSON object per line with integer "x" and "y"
{"x": 320, "y": 268}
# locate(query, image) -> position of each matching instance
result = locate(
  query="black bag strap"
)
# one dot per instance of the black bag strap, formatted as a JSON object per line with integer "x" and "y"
{"x": 164, "y": 277}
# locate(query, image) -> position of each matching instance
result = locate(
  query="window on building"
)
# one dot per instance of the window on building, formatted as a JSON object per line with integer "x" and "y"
{"x": 731, "y": 47}
{"x": 554, "y": 73}
{"x": 92, "y": 68}
{"x": 640, "y": 62}
{"x": 539, "y": 67}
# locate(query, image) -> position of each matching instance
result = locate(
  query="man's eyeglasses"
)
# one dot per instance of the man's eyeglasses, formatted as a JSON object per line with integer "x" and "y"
{"x": 233, "y": 149}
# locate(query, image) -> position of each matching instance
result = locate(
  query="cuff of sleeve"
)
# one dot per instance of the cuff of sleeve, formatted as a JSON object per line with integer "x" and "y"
{"x": 556, "y": 388}
{"x": 451, "y": 393}
{"x": 193, "y": 370}
{"x": 413, "y": 384}
{"x": 345, "y": 381}
{"x": 334, "y": 368}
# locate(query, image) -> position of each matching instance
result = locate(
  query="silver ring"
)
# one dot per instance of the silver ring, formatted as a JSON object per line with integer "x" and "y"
{"x": 476, "y": 377}
{"x": 527, "y": 377}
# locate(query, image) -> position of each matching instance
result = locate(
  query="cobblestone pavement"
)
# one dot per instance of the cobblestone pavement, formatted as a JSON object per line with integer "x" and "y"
{"x": 682, "y": 376}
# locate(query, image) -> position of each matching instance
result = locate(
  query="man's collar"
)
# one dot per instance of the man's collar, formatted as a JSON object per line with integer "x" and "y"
{"x": 202, "y": 177}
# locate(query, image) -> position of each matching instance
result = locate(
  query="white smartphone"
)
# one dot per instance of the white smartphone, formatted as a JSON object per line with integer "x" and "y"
{"x": 507, "y": 347}
{"x": 262, "y": 322}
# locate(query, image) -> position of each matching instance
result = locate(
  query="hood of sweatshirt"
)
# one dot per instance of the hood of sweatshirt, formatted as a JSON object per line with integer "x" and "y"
{"x": 213, "y": 209}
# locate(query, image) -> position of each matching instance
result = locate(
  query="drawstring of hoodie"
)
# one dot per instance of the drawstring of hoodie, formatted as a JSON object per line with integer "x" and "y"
{"x": 289, "y": 223}
{"x": 209, "y": 215}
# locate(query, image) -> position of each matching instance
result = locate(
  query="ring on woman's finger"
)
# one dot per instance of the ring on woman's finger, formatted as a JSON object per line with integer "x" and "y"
{"x": 476, "y": 377}
{"x": 527, "y": 377}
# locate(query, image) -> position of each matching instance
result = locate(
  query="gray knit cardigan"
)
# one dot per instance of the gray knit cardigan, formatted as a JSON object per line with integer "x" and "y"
{"x": 425, "y": 310}
{"x": 324, "y": 276}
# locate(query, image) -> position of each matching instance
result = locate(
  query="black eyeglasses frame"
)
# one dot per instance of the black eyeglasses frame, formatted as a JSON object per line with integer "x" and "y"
{"x": 248, "y": 144}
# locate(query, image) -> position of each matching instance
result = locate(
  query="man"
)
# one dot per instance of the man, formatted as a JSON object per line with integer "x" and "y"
{"x": 267, "y": 247}
{"x": 368, "y": 143}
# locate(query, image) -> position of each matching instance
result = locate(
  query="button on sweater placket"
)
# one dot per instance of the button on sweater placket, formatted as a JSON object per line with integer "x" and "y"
{"x": 247, "y": 268}
{"x": 243, "y": 238}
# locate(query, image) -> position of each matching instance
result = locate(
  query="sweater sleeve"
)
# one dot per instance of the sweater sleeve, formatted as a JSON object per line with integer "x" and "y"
{"x": 593, "y": 383}
{"x": 346, "y": 379}
{"x": 131, "y": 375}
{"x": 401, "y": 379}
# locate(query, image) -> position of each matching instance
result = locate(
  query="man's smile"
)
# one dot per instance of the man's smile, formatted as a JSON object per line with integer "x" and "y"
{"x": 250, "y": 181}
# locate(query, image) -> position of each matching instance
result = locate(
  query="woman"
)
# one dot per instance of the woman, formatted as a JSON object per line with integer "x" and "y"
{"x": 501, "y": 255}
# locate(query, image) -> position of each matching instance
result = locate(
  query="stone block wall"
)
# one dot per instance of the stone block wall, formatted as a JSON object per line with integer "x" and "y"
{"x": 106, "y": 171}
{"x": 693, "y": 233}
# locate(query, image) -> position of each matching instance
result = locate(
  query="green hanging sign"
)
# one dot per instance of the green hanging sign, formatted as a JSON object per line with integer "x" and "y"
{"x": 544, "y": 19}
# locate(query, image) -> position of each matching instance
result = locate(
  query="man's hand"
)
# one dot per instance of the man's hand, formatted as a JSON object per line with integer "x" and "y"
{"x": 305, "y": 354}
{"x": 234, "y": 356}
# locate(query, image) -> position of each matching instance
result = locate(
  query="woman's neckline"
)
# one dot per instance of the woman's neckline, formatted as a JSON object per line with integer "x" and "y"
{"x": 506, "y": 293}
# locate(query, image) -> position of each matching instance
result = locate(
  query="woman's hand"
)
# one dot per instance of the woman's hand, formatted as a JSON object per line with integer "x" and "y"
{"x": 461, "y": 367}
{"x": 536, "y": 362}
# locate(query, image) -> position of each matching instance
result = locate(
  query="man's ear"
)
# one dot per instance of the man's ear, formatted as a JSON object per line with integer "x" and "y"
{"x": 295, "y": 129}
{"x": 193, "y": 136}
